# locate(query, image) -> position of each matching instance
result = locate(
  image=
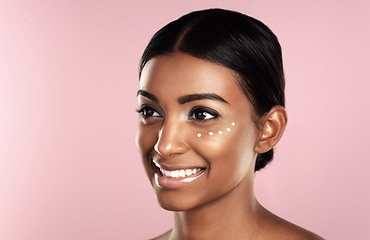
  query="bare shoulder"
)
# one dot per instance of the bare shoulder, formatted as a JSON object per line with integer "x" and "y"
{"x": 164, "y": 236}
{"x": 282, "y": 229}
{"x": 291, "y": 231}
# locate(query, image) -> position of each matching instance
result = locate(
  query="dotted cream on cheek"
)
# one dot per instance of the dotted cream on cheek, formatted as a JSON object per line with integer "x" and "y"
{"x": 220, "y": 132}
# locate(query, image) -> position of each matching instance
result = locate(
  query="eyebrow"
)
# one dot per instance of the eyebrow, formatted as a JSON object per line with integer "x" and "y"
{"x": 148, "y": 95}
{"x": 200, "y": 96}
{"x": 186, "y": 98}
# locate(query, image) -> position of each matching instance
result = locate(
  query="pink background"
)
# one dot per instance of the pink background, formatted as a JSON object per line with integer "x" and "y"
{"x": 69, "y": 168}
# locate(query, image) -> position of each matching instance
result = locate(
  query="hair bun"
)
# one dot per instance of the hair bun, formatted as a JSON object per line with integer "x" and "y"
{"x": 263, "y": 159}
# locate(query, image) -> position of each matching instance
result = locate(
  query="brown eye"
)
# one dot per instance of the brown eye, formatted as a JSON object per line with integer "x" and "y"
{"x": 203, "y": 114}
{"x": 147, "y": 111}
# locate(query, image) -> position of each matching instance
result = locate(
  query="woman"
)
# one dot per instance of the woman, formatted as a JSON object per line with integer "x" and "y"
{"x": 211, "y": 105}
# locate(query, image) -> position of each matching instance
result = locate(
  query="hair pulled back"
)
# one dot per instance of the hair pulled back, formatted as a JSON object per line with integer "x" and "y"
{"x": 235, "y": 41}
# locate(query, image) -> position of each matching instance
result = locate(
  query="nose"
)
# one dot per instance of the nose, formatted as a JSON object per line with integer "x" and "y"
{"x": 171, "y": 140}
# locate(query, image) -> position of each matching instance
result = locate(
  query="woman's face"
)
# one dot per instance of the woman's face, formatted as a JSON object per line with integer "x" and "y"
{"x": 195, "y": 135}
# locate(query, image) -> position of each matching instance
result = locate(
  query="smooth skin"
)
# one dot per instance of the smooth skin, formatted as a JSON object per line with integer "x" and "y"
{"x": 220, "y": 203}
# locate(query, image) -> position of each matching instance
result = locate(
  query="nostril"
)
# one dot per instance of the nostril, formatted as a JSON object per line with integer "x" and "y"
{"x": 170, "y": 149}
{"x": 169, "y": 141}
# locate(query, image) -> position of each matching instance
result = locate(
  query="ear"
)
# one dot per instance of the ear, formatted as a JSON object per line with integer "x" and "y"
{"x": 271, "y": 126}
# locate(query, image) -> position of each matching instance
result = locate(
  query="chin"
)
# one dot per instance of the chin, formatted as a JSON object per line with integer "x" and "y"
{"x": 175, "y": 202}
{"x": 172, "y": 207}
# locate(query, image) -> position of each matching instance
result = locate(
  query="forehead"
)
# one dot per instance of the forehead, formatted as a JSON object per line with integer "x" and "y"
{"x": 181, "y": 74}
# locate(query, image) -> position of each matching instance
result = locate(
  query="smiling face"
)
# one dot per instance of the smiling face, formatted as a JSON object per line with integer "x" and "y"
{"x": 195, "y": 134}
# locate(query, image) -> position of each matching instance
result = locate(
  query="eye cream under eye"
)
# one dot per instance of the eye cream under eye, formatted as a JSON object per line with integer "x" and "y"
{"x": 220, "y": 132}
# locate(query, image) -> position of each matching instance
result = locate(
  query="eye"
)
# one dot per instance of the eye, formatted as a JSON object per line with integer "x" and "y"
{"x": 203, "y": 114}
{"x": 148, "y": 111}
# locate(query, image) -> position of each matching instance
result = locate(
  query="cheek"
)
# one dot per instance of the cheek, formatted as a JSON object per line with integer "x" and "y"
{"x": 145, "y": 141}
{"x": 217, "y": 131}
{"x": 217, "y": 140}
{"x": 228, "y": 148}
{"x": 146, "y": 137}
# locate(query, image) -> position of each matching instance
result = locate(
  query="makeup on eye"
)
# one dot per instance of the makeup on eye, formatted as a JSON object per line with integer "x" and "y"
{"x": 146, "y": 111}
{"x": 203, "y": 114}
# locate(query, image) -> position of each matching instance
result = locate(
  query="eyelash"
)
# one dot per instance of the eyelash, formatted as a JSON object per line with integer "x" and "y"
{"x": 204, "y": 111}
{"x": 207, "y": 113}
{"x": 145, "y": 108}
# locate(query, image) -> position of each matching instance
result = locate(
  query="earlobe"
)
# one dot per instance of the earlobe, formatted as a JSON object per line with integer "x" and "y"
{"x": 272, "y": 127}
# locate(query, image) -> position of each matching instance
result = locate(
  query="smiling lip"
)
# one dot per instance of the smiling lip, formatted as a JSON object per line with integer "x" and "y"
{"x": 176, "y": 177}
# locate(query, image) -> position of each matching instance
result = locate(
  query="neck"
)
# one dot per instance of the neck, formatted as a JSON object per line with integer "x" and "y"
{"x": 231, "y": 216}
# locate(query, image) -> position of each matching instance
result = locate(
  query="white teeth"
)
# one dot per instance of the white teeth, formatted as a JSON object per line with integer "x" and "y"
{"x": 175, "y": 174}
{"x": 182, "y": 173}
{"x": 179, "y": 173}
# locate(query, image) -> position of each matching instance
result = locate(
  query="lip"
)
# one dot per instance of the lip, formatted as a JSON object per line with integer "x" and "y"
{"x": 175, "y": 183}
{"x": 175, "y": 167}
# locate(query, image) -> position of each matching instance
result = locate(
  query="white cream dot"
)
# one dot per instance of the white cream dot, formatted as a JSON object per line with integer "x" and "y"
{"x": 232, "y": 124}
{"x": 210, "y": 133}
{"x": 220, "y": 132}
{"x": 199, "y": 135}
{"x": 228, "y": 129}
